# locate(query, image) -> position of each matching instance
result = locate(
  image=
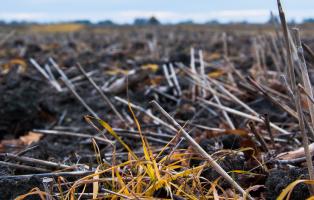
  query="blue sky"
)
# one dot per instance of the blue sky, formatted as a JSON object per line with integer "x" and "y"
{"x": 124, "y": 11}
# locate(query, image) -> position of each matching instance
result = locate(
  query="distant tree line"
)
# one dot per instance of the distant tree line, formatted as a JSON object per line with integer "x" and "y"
{"x": 138, "y": 22}
{"x": 147, "y": 21}
{"x": 308, "y": 20}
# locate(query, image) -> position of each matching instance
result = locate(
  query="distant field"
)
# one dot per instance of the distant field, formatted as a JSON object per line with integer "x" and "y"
{"x": 238, "y": 28}
{"x": 57, "y": 28}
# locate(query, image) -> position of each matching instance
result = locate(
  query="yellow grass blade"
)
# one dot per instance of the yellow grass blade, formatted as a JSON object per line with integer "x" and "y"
{"x": 114, "y": 134}
{"x": 216, "y": 74}
{"x": 164, "y": 148}
{"x": 167, "y": 178}
{"x": 215, "y": 193}
{"x": 152, "y": 170}
{"x": 214, "y": 185}
{"x": 60, "y": 180}
{"x": 97, "y": 151}
{"x": 124, "y": 189}
{"x": 179, "y": 189}
{"x": 34, "y": 191}
{"x": 96, "y": 184}
{"x": 151, "y": 67}
{"x": 81, "y": 193}
{"x": 80, "y": 181}
{"x": 243, "y": 172}
{"x": 173, "y": 167}
{"x": 288, "y": 190}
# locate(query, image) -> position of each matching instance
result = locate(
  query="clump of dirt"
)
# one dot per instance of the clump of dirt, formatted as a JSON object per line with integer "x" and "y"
{"x": 50, "y": 148}
{"x": 228, "y": 163}
{"x": 22, "y": 107}
{"x": 217, "y": 143}
{"x": 10, "y": 188}
{"x": 164, "y": 194}
{"x": 279, "y": 179}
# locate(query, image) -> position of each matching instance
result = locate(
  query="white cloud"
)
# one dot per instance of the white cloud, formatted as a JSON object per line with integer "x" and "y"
{"x": 163, "y": 15}
{"x": 241, "y": 13}
{"x": 27, "y": 16}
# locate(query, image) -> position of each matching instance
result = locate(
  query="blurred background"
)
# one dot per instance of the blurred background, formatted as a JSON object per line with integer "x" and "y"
{"x": 167, "y": 12}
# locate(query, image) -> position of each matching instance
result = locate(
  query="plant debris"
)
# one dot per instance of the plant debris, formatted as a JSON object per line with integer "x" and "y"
{"x": 173, "y": 112}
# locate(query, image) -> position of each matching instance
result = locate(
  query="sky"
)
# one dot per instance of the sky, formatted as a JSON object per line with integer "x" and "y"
{"x": 167, "y": 11}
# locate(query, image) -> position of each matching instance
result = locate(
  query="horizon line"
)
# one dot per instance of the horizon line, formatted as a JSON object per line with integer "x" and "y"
{"x": 128, "y": 16}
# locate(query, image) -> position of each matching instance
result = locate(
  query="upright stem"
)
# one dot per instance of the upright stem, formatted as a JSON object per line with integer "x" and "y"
{"x": 296, "y": 97}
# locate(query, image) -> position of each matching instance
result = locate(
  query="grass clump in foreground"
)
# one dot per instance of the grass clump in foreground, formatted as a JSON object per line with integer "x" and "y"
{"x": 166, "y": 174}
{"x": 160, "y": 175}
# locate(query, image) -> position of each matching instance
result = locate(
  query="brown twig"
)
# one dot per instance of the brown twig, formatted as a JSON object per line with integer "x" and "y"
{"x": 6, "y": 37}
{"x": 107, "y": 100}
{"x": 23, "y": 167}
{"x": 51, "y": 174}
{"x": 308, "y": 50}
{"x": 305, "y": 74}
{"x": 70, "y": 86}
{"x": 148, "y": 113}
{"x": 35, "y": 161}
{"x": 268, "y": 128}
{"x": 258, "y": 136}
{"x": 66, "y": 133}
{"x": 272, "y": 99}
{"x": 242, "y": 114}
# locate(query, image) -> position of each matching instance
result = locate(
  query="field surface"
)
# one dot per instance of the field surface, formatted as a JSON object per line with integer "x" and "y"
{"x": 165, "y": 112}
